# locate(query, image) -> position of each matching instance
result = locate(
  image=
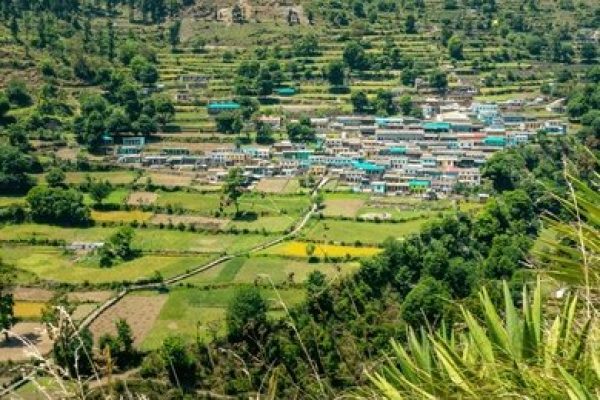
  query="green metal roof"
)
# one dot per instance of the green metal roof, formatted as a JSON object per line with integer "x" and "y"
{"x": 436, "y": 126}
{"x": 367, "y": 166}
{"x": 227, "y": 105}
{"x": 494, "y": 141}
{"x": 419, "y": 183}
{"x": 287, "y": 91}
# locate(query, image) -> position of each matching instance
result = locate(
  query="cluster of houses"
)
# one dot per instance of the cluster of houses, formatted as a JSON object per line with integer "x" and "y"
{"x": 381, "y": 155}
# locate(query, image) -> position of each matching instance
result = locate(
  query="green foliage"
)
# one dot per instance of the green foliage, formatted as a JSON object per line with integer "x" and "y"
{"x": 118, "y": 248}
{"x": 455, "y": 48}
{"x": 7, "y": 315}
{"x": 17, "y": 93}
{"x": 246, "y": 314}
{"x": 57, "y": 206}
{"x": 14, "y": 168}
{"x": 521, "y": 353}
{"x": 99, "y": 190}
{"x": 425, "y": 303}
{"x": 301, "y": 132}
{"x": 335, "y": 73}
{"x": 233, "y": 187}
{"x": 178, "y": 361}
{"x": 55, "y": 177}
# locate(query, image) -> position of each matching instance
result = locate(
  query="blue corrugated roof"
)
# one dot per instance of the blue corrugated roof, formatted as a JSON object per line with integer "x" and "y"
{"x": 227, "y": 105}
{"x": 367, "y": 166}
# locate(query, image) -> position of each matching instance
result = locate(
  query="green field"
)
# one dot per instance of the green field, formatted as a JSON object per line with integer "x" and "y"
{"x": 191, "y": 312}
{"x": 365, "y": 232}
{"x": 145, "y": 239}
{"x": 208, "y": 203}
{"x": 280, "y": 270}
{"x": 53, "y": 264}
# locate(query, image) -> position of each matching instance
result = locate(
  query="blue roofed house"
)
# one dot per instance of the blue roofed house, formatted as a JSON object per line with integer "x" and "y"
{"x": 219, "y": 107}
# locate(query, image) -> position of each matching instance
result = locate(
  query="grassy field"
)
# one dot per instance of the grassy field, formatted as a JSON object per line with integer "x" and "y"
{"x": 117, "y": 196}
{"x": 282, "y": 270}
{"x": 365, "y": 232}
{"x": 53, "y": 264}
{"x": 114, "y": 177}
{"x": 209, "y": 203}
{"x": 191, "y": 312}
{"x": 145, "y": 239}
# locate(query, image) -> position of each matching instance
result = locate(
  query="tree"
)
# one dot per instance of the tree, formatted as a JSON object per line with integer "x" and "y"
{"x": 438, "y": 80}
{"x": 55, "y": 177}
{"x": 99, "y": 190}
{"x": 233, "y": 187}
{"x": 589, "y": 52}
{"x": 14, "y": 169}
{"x": 118, "y": 248}
{"x": 72, "y": 349}
{"x": 198, "y": 43}
{"x": 406, "y": 104}
{"x": 143, "y": 70}
{"x": 4, "y": 107}
{"x": 174, "y": 32}
{"x": 165, "y": 110}
{"x": 178, "y": 362}
{"x": 410, "y": 25}
{"x": 455, "y": 48}
{"x": 264, "y": 134}
{"x": 301, "y": 132}
{"x": 504, "y": 169}
{"x": 17, "y": 93}
{"x": 360, "y": 102}
{"x": 306, "y": 46}
{"x": 7, "y": 315}
{"x": 237, "y": 15}
{"x": 384, "y": 103}
{"x": 335, "y": 73}
{"x": 57, "y": 206}
{"x": 425, "y": 303}
{"x": 355, "y": 57}
{"x": 229, "y": 122}
{"x": 246, "y": 314}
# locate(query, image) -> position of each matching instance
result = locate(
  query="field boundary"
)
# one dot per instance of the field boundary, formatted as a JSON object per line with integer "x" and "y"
{"x": 204, "y": 267}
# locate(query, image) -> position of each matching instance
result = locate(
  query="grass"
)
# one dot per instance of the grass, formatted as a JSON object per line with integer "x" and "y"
{"x": 145, "y": 239}
{"x": 365, "y": 232}
{"x": 191, "y": 312}
{"x": 297, "y": 249}
{"x": 6, "y": 201}
{"x": 117, "y": 196}
{"x": 281, "y": 270}
{"x": 208, "y": 203}
{"x": 114, "y": 177}
{"x": 269, "y": 224}
{"x": 54, "y": 265}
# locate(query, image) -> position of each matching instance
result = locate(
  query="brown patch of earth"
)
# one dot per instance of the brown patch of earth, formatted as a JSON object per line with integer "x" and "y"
{"x": 141, "y": 198}
{"x": 36, "y": 341}
{"x": 138, "y": 310}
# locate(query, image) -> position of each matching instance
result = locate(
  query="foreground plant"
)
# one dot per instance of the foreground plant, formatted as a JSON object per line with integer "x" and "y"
{"x": 521, "y": 354}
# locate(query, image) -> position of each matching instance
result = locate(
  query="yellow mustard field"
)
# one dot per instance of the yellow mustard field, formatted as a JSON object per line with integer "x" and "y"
{"x": 28, "y": 309}
{"x": 298, "y": 249}
{"x": 118, "y": 216}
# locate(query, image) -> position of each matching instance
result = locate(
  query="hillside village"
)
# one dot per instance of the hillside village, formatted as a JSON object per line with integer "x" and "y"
{"x": 379, "y": 155}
